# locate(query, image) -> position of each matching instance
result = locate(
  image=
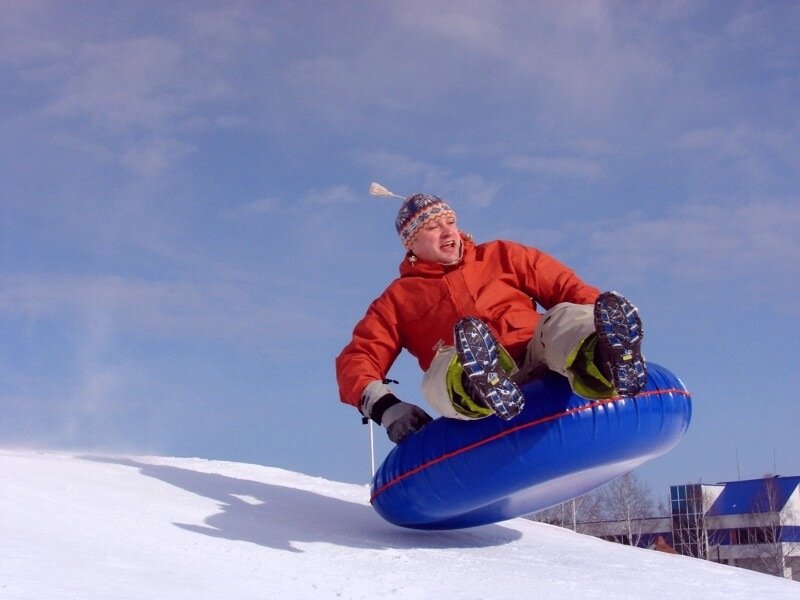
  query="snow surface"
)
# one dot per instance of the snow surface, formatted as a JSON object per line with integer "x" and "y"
{"x": 148, "y": 527}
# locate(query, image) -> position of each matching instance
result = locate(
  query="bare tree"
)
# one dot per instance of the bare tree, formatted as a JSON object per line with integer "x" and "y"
{"x": 569, "y": 515}
{"x": 765, "y": 529}
{"x": 693, "y": 535}
{"x": 628, "y": 500}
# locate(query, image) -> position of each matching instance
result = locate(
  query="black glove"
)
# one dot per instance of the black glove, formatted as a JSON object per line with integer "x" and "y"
{"x": 398, "y": 417}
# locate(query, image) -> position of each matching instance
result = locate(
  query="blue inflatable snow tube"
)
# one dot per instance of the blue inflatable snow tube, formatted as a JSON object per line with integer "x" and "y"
{"x": 454, "y": 474}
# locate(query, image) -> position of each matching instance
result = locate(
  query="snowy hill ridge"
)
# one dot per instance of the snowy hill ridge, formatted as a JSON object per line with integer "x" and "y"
{"x": 93, "y": 527}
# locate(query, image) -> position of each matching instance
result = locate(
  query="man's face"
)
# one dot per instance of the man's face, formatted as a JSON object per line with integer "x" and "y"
{"x": 438, "y": 241}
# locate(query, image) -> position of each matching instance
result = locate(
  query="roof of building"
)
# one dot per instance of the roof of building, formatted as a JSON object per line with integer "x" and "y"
{"x": 766, "y": 494}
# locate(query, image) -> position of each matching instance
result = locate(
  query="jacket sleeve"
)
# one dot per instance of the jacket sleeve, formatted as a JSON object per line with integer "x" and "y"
{"x": 372, "y": 351}
{"x": 549, "y": 281}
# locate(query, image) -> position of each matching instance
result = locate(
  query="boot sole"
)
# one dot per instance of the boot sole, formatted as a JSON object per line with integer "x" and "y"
{"x": 619, "y": 331}
{"x": 477, "y": 354}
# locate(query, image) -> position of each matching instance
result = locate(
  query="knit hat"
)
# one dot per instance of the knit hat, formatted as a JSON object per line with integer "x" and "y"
{"x": 415, "y": 212}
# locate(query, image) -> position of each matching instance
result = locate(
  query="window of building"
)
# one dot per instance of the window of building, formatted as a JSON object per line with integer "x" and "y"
{"x": 688, "y": 520}
{"x": 744, "y": 536}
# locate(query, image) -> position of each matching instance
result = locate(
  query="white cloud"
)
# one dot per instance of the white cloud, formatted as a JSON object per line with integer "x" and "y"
{"x": 756, "y": 153}
{"x": 559, "y": 166}
{"x": 155, "y": 156}
{"x": 406, "y": 175}
{"x": 339, "y": 194}
{"x": 221, "y": 28}
{"x": 475, "y": 24}
{"x": 135, "y": 93}
{"x": 565, "y": 71}
{"x": 25, "y": 40}
{"x": 706, "y": 243}
{"x": 160, "y": 309}
{"x": 394, "y": 170}
{"x": 121, "y": 84}
{"x": 261, "y": 206}
{"x": 474, "y": 189}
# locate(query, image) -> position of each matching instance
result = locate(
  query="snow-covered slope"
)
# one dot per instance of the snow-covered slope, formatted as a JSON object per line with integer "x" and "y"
{"x": 95, "y": 527}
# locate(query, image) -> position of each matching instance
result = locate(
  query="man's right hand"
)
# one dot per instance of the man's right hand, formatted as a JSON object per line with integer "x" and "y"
{"x": 399, "y": 418}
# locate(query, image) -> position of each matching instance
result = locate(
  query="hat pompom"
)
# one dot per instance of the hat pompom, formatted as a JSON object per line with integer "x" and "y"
{"x": 376, "y": 189}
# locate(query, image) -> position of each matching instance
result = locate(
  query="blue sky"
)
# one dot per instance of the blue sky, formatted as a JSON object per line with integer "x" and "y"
{"x": 186, "y": 238}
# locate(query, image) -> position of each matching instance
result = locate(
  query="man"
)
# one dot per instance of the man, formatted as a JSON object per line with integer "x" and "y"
{"x": 467, "y": 312}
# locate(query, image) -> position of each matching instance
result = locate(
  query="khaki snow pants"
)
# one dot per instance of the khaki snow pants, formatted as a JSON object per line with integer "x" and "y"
{"x": 554, "y": 344}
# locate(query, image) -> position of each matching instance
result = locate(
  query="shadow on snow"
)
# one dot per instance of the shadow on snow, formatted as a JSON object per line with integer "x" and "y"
{"x": 277, "y": 516}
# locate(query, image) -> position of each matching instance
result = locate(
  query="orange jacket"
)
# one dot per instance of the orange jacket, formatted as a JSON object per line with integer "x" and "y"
{"x": 499, "y": 282}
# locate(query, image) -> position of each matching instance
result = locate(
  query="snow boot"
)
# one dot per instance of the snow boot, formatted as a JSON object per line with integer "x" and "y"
{"x": 486, "y": 381}
{"x": 619, "y": 335}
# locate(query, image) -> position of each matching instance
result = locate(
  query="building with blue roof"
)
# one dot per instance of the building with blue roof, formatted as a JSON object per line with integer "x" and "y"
{"x": 753, "y": 524}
